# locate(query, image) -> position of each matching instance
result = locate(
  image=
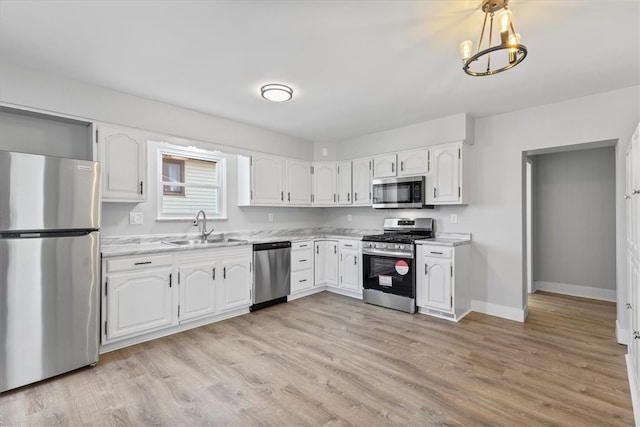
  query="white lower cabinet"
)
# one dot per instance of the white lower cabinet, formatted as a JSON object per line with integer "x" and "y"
{"x": 138, "y": 296}
{"x": 149, "y": 296}
{"x": 236, "y": 284}
{"x": 442, "y": 285}
{"x": 301, "y": 268}
{"x": 326, "y": 262}
{"x": 350, "y": 266}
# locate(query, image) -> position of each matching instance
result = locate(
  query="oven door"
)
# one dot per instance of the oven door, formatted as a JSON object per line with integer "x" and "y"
{"x": 389, "y": 274}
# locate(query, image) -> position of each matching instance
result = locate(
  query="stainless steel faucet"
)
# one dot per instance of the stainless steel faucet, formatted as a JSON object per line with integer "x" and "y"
{"x": 203, "y": 230}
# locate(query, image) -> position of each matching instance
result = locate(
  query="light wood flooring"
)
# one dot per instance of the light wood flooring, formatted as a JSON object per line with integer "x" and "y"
{"x": 332, "y": 360}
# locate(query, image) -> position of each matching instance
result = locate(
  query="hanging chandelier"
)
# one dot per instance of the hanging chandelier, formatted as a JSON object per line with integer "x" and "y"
{"x": 506, "y": 54}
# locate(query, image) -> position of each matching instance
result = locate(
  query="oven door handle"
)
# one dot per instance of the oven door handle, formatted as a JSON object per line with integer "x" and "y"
{"x": 388, "y": 254}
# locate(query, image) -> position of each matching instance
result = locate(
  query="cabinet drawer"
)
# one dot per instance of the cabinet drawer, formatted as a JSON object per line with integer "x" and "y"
{"x": 438, "y": 251}
{"x": 301, "y": 259}
{"x": 301, "y": 280}
{"x": 349, "y": 244}
{"x": 306, "y": 244}
{"x": 136, "y": 263}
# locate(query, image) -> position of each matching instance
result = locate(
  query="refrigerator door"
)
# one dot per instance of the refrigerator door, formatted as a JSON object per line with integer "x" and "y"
{"x": 48, "y": 193}
{"x": 49, "y": 306}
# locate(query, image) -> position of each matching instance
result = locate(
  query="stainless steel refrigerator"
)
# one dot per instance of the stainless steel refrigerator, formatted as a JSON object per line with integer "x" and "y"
{"x": 49, "y": 266}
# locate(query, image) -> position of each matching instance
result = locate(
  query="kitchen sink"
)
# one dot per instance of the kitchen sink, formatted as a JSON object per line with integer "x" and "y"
{"x": 202, "y": 242}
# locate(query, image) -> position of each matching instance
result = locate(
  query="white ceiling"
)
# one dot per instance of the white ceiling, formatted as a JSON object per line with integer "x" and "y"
{"x": 356, "y": 67}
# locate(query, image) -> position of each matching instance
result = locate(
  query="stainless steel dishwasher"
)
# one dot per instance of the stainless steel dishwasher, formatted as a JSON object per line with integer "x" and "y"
{"x": 271, "y": 274}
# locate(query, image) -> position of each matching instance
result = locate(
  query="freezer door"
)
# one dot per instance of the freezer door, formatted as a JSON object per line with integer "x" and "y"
{"x": 48, "y": 193}
{"x": 49, "y": 306}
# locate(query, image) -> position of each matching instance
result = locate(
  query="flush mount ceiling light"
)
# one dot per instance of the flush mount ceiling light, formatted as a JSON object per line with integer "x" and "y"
{"x": 508, "y": 53}
{"x": 276, "y": 92}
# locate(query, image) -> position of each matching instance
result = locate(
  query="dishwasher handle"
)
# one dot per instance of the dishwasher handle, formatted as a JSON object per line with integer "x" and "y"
{"x": 271, "y": 246}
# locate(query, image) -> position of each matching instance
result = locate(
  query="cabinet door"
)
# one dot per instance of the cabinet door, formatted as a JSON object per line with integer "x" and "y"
{"x": 435, "y": 285}
{"x": 139, "y": 302}
{"x": 197, "y": 290}
{"x": 236, "y": 284}
{"x": 122, "y": 154}
{"x": 384, "y": 166}
{"x": 298, "y": 182}
{"x": 324, "y": 184}
{"x": 445, "y": 177}
{"x": 320, "y": 263}
{"x": 350, "y": 269}
{"x": 267, "y": 180}
{"x": 344, "y": 183}
{"x": 331, "y": 266}
{"x": 413, "y": 162}
{"x": 362, "y": 181}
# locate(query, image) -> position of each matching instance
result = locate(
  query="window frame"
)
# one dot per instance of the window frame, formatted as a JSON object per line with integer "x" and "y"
{"x": 196, "y": 154}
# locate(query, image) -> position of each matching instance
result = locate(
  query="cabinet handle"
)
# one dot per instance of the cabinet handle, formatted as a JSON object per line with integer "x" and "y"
{"x": 355, "y": 260}
{"x": 224, "y": 272}
{"x": 434, "y": 192}
{"x": 141, "y": 188}
{"x": 425, "y": 269}
{"x": 334, "y": 197}
{"x": 318, "y": 250}
{"x": 335, "y": 249}
{"x": 348, "y": 197}
{"x": 635, "y": 191}
{"x": 355, "y": 197}
{"x": 437, "y": 253}
{"x": 393, "y": 167}
{"x": 402, "y": 166}
{"x": 142, "y": 263}
{"x": 628, "y": 305}
{"x": 303, "y": 246}
{"x": 288, "y": 196}
{"x": 302, "y": 280}
{"x": 303, "y": 260}
{"x": 282, "y": 196}
{"x": 170, "y": 279}
{"x": 214, "y": 273}
{"x": 636, "y": 335}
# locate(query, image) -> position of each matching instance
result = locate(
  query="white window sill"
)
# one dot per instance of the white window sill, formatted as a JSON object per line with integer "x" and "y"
{"x": 189, "y": 218}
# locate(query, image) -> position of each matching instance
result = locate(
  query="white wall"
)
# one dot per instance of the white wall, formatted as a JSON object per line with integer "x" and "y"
{"x": 495, "y": 162}
{"x": 574, "y": 222}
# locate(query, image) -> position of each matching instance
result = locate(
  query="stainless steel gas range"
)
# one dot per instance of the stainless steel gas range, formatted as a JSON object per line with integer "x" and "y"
{"x": 389, "y": 276}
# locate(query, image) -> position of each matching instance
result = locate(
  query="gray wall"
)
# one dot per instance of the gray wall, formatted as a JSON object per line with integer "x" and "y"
{"x": 574, "y": 218}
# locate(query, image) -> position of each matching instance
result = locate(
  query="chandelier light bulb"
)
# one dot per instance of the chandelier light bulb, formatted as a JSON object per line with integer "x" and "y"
{"x": 505, "y": 20}
{"x": 465, "y": 49}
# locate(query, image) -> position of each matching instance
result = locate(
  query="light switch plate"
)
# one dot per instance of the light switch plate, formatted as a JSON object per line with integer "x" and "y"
{"x": 270, "y": 217}
{"x": 135, "y": 218}
{"x": 349, "y": 218}
{"x": 454, "y": 218}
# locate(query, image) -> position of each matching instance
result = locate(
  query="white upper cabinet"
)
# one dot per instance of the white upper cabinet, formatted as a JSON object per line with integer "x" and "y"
{"x": 344, "y": 183}
{"x": 298, "y": 182}
{"x": 444, "y": 183}
{"x": 385, "y": 166}
{"x": 122, "y": 153}
{"x": 413, "y": 162}
{"x": 361, "y": 183}
{"x": 324, "y": 183}
{"x": 267, "y": 179}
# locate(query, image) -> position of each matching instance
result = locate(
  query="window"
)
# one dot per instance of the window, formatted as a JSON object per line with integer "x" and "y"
{"x": 190, "y": 180}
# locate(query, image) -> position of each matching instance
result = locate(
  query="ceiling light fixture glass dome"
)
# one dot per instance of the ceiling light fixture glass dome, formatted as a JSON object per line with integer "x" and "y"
{"x": 276, "y": 92}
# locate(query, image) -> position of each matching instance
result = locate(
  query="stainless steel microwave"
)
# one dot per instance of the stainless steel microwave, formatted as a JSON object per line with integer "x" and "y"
{"x": 399, "y": 192}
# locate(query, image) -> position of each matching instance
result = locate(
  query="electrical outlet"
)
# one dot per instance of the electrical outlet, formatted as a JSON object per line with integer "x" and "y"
{"x": 349, "y": 218}
{"x": 270, "y": 217}
{"x": 325, "y": 152}
{"x": 135, "y": 218}
{"x": 454, "y": 218}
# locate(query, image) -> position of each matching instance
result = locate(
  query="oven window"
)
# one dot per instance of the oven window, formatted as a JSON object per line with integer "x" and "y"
{"x": 393, "y": 275}
{"x": 397, "y": 192}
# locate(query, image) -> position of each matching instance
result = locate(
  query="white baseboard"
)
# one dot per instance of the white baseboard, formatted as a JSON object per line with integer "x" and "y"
{"x": 306, "y": 293}
{"x": 633, "y": 385}
{"x": 622, "y": 334}
{"x": 576, "y": 290}
{"x": 517, "y": 314}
